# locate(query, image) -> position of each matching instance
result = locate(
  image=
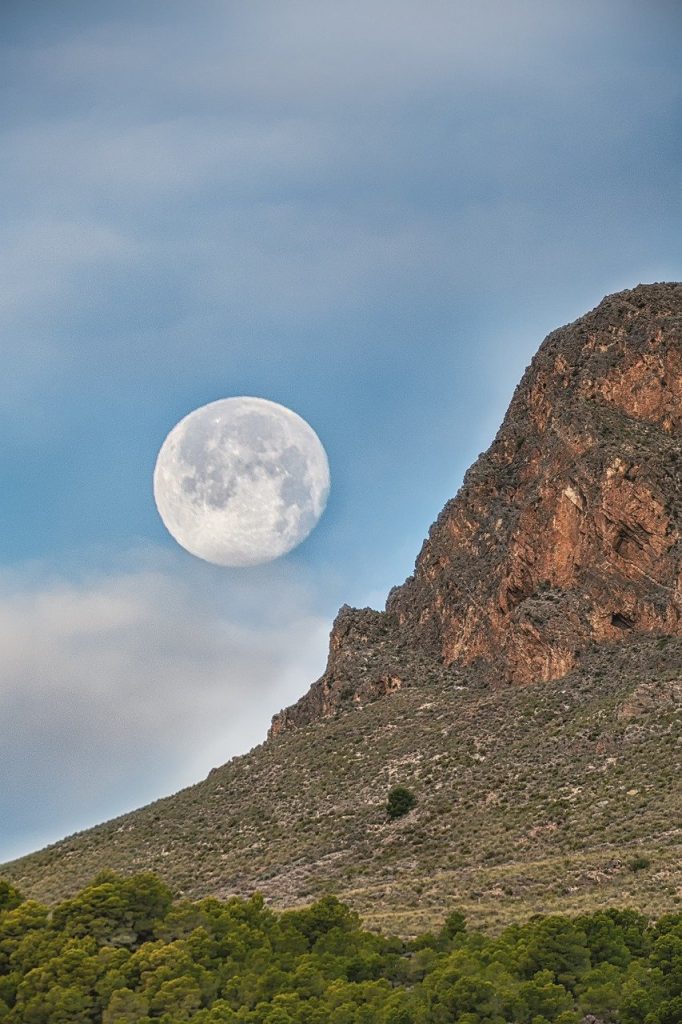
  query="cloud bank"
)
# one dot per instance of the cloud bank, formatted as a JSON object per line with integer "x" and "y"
{"x": 310, "y": 159}
{"x": 119, "y": 689}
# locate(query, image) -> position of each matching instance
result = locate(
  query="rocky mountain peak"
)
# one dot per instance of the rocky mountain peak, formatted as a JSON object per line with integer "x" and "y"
{"x": 566, "y": 533}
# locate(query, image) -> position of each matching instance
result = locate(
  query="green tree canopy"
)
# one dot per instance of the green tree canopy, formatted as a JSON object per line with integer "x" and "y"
{"x": 123, "y": 952}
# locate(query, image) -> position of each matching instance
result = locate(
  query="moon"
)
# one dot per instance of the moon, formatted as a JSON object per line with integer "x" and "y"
{"x": 241, "y": 481}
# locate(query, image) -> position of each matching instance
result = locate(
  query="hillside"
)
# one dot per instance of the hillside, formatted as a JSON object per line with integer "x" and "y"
{"x": 530, "y": 798}
{"x": 525, "y": 683}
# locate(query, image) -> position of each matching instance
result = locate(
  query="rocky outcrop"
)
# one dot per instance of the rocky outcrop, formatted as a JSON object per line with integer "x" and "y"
{"x": 565, "y": 533}
{"x": 368, "y": 658}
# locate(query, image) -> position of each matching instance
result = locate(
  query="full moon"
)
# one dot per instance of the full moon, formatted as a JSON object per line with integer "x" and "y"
{"x": 241, "y": 481}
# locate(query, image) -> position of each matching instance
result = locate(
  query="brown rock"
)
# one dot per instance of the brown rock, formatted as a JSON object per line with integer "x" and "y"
{"x": 565, "y": 533}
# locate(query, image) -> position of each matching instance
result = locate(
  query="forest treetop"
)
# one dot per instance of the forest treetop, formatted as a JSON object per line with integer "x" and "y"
{"x": 123, "y": 951}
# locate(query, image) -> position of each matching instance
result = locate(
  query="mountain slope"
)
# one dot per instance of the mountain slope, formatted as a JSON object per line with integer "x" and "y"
{"x": 558, "y": 564}
{"x": 529, "y": 798}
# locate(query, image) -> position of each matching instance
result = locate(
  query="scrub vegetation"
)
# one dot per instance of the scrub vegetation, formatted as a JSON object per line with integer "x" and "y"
{"x": 124, "y": 952}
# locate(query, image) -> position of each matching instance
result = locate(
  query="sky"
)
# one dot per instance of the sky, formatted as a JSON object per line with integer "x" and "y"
{"x": 371, "y": 213}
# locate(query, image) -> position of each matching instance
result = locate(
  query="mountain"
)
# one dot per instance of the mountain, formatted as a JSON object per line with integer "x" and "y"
{"x": 566, "y": 531}
{"x": 525, "y": 683}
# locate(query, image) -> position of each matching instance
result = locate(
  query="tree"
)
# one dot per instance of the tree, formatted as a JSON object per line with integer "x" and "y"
{"x": 455, "y": 924}
{"x": 558, "y": 945}
{"x": 115, "y": 910}
{"x": 9, "y": 896}
{"x": 125, "y": 1007}
{"x": 179, "y": 998}
{"x": 400, "y": 801}
{"x": 542, "y": 997}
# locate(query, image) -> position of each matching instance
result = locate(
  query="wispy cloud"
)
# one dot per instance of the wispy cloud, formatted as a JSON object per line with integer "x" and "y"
{"x": 283, "y": 164}
{"x": 269, "y": 53}
{"x": 118, "y": 689}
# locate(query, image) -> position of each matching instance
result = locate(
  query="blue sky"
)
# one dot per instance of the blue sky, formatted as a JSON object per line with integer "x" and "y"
{"x": 371, "y": 213}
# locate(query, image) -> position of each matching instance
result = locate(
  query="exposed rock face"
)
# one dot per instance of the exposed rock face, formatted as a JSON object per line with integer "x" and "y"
{"x": 566, "y": 532}
{"x": 368, "y": 658}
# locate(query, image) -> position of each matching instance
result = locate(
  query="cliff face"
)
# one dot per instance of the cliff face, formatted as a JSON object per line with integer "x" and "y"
{"x": 566, "y": 532}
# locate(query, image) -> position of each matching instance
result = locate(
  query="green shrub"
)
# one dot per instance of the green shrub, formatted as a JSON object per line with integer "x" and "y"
{"x": 400, "y": 801}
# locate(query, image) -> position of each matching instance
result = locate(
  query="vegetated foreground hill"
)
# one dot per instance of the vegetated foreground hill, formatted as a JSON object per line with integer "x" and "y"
{"x": 557, "y": 565}
{"x": 122, "y": 952}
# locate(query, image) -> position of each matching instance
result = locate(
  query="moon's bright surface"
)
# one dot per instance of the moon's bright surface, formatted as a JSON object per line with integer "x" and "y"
{"x": 241, "y": 481}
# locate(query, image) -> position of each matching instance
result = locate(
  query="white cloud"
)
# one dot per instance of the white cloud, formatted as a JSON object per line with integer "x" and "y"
{"x": 117, "y": 690}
